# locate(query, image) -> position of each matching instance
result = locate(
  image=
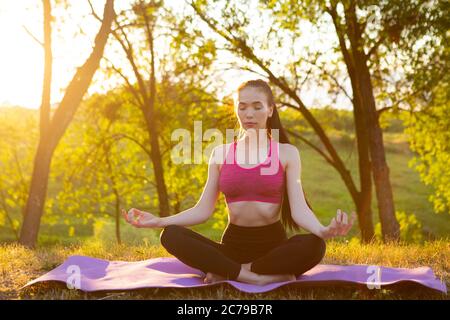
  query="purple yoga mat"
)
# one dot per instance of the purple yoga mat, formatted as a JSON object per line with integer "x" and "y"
{"x": 92, "y": 274}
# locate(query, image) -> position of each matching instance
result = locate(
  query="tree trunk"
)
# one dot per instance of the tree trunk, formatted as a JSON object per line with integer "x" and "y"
{"x": 117, "y": 212}
{"x": 48, "y": 65}
{"x": 389, "y": 224}
{"x": 51, "y": 135}
{"x": 364, "y": 208}
{"x": 146, "y": 102}
{"x": 158, "y": 170}
{"x": 118, "y": 218}
{"x": 36, "y": 196}
{"x": 152, "y": 126}
{"x": 364, "y": 201}
{"x": 364, "y": 91}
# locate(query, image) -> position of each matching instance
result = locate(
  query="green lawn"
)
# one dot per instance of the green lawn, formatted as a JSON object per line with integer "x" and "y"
{"x": 19, "y": 265}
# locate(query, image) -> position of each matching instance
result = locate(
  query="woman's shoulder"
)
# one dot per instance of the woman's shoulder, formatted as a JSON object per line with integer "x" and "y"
{"x": 287, "y": 147}
{"x": 288, "y": 153}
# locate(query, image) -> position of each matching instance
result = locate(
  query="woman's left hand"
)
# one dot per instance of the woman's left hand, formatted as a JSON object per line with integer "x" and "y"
{"x": 339, "y": 226}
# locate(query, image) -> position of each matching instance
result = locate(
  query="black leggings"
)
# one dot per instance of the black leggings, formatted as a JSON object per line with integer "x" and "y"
{"x": 267, "y": 247}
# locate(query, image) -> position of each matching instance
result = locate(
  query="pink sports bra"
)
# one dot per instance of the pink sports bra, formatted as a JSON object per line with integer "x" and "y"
{"x": 263, "y": 182}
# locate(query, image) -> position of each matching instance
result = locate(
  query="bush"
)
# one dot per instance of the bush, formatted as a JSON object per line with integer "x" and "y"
{"x": 410, "y": 228}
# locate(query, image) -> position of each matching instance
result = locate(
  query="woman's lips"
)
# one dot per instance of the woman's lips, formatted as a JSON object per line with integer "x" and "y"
{"x": 249, "y": 123}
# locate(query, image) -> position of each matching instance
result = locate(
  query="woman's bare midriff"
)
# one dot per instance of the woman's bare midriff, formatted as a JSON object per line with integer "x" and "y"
{"x": 253, "y": 213}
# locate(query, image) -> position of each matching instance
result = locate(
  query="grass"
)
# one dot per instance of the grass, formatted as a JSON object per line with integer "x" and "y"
{"x": 18, "y": 265}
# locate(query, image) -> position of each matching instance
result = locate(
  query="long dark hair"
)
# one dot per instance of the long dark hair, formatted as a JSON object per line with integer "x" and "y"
{"x": 274, "y": 122}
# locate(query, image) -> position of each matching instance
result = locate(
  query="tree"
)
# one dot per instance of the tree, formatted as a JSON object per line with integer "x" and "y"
{"x": 428, "y": 125}
{"x": 365, "y": 42}
{"x": 149, "y": 21}
{"x": 232, "y": 29}
{"x": 429, "y": 135}
{"x": 19, "y": 132}
{"x": 55, "y": 128}
{"x": 352, "y": 41}
{"x": 366, "y": 114}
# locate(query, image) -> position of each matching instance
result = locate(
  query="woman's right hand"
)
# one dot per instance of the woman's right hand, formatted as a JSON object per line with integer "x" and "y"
{"x": 141, "y": 219}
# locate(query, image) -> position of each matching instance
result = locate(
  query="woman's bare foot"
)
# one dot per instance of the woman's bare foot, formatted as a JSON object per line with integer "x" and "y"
{"x": 248, "y": 276}
{"x": 251, "y": 277}
{"x": 269, "y": 278}
{"x": 247, "y": 266}
{"x": 263, "y": 279}
{"x": 212, "y": 278}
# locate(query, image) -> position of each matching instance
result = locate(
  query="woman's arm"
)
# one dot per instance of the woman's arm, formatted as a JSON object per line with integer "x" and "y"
{"x": 207, "y": 202}
{"x": 301, "y": 213}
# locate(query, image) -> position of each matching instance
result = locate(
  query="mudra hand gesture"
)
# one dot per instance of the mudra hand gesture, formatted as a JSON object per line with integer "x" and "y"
{"x": 339, "y": 226}
{"x": 141, "y": 219}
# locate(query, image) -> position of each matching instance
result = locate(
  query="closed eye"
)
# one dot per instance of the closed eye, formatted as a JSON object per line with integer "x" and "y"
{"x": 258, "y": 107}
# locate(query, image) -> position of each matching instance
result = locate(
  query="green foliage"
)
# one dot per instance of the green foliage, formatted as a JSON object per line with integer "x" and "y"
{"x": 410, "y": 228}
{"x": 429, "y": 136}
{"x": 18, "y": 132}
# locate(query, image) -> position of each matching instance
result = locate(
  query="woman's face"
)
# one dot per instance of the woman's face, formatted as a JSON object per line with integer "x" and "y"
{"x": 252, "y": 108}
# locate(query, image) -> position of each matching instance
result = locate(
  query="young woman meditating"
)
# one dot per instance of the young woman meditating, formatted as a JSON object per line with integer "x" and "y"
{"x": 254, "y": 247}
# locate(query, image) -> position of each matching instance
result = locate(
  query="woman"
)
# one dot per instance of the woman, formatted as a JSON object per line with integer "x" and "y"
{"x": 254, "y": 247}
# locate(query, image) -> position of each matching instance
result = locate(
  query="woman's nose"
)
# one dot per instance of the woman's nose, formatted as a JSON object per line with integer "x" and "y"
{"x": 249, "y": 115}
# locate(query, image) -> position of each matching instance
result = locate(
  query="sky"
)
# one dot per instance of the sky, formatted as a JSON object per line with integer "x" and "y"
{"x": 21, "y": 56}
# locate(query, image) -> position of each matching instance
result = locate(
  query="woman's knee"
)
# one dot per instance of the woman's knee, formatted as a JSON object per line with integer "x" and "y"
{"x": 322, "y": 245}
{"x": 319, "y": 245}
{"x": 315, "y": 243}
{"x": 169, "y": 235}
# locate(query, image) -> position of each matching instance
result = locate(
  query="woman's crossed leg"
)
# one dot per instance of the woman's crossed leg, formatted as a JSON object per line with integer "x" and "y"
{"x": 282, "y": 263}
